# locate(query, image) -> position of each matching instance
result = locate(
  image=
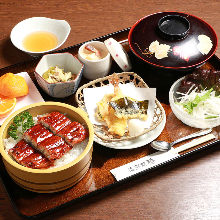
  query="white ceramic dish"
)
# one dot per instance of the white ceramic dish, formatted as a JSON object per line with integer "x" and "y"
{"x": 60, "y": 28}
{"x": 137, "y": 142}
{"x": 184, "y": 116}
{"x": 95, "y": 69}
{"x": 65, "y": 61}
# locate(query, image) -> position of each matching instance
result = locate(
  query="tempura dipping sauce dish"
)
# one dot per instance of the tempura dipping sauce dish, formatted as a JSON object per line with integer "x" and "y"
{"x": 97, "y": 64}
{"x": 38, "y": 35}
{"x": 50, "y": 179}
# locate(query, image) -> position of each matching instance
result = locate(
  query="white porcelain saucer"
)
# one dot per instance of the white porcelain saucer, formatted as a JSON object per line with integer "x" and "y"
{"x": 138, "y": 142}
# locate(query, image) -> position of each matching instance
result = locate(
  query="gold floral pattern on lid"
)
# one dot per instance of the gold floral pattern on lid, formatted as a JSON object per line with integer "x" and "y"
{"x": 160, "y": 50}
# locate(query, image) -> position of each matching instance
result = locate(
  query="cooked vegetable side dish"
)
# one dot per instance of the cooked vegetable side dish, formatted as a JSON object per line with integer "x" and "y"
{"x": 41, "y": 145}
{"x": 56, "y": 74}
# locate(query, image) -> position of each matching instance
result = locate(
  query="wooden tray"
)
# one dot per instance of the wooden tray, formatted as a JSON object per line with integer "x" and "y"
{"x": 99, "y": 178}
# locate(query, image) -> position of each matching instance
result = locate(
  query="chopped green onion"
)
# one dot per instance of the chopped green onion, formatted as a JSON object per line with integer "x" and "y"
{"x": 210, "y": 117}
{"x": 192, "y": 104}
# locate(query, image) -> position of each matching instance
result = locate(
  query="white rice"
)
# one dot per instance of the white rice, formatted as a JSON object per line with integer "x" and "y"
{"x": 65, "y": 159}
{"x": 71, "y": 155}
{"x": 10, "y": 143}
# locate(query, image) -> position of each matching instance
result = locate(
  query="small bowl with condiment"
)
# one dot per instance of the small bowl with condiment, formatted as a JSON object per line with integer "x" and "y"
{"x": 38, "y": 35}
{"x": 59, "y": 74}
{"x": 96, "y": 58}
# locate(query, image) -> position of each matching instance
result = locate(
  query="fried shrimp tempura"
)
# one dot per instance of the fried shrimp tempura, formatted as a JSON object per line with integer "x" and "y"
{"x": 106, "y": 113}
{"x": 115, "y": 109}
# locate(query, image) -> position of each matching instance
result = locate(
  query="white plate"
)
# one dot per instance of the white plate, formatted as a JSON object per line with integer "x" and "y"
{"x": 138, "y": 142}
{"x": 32, "y": 97}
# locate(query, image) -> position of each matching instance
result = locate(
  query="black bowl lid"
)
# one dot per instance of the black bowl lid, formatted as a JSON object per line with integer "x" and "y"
{"x": 172, "y": 48}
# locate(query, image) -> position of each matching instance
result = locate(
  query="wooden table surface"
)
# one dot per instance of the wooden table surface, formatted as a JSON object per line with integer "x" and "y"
{"x": 188, "y": 189}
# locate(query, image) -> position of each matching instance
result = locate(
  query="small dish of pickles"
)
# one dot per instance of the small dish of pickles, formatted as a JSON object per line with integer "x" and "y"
{"x": 59, "y": 74}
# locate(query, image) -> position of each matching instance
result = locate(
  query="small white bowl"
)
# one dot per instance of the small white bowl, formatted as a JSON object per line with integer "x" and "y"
{"x": 184, "y": 116}
{"x": 60, "y": 28}
{"x": 65, "y": 61}
{"x": 95, "y": 69}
